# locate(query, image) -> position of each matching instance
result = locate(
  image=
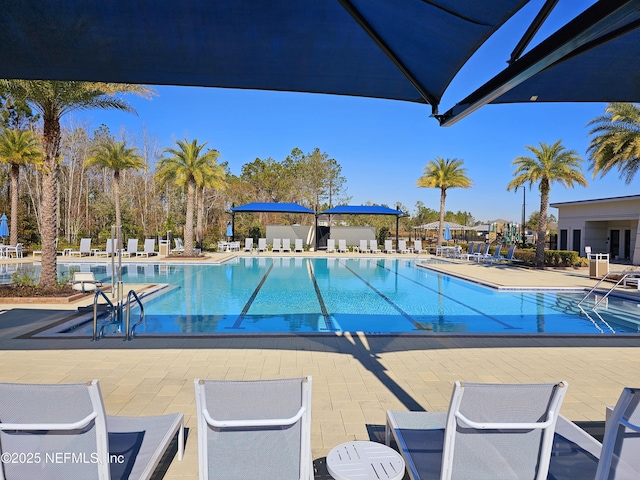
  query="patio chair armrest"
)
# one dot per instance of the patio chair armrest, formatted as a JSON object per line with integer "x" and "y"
{"x": 50, "y": 426}
{"x": 275, "y": 422}
{"x": 505, "y": 426}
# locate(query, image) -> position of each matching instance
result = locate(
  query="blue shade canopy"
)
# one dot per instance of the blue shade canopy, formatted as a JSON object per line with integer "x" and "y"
{"x": 272, "y": 208}
{"x": 395, "y": 49}
{"x": 594, "y": 58}
{"x": 362, "y": 210}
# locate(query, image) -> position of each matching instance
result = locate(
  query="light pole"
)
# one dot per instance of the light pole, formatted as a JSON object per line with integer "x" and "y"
{"x": 524, "y": 230}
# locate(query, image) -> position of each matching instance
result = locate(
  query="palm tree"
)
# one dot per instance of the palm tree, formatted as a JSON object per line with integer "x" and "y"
{"x": 116, "y": 156}
{"x": 17, "y": 147}
{"x": 53, "y": 99}
{"x": 187, "y": 166}
{"x": 617, "y": 141}
{"x": 215, "y": 179}
{"x": 444, "y": 174}
{"x": 551, "y": 163}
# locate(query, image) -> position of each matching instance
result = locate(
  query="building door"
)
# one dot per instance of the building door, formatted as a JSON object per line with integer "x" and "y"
{"x": 614, "y": 244}
{"x": 322, "y": 234}
{"x": 627, "y": 244}
{"x": 576, "y": 240}
{"x": 563, "y": 239}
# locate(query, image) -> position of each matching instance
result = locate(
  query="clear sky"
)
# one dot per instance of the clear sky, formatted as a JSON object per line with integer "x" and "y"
{"x": 383, "y": 145}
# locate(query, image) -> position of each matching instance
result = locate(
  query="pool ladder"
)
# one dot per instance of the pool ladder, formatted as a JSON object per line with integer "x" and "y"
{"x": 116, "y": 313}
{"x": 621, "y": 280}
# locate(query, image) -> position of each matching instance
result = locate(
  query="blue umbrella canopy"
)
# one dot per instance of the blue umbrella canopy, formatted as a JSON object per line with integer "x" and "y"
{"x": 4, "y": 228}
{"x": 447, "y": 233}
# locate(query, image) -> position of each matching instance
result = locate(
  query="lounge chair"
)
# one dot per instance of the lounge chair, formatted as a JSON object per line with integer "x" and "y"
{"x": 85, "y": 248}
{"x": 364, "y": 246}
{"x": 417, "y": 246}
{"x": 179, "y": 247}
{"x": 510, "y": 257}
{"x": 262, "y": 245}
{"x": 388, "y": 247}
{"x": 108, "y": 251}
{"x": 84, "y": 282}
{"x": 373, "y": 246}
{"x": 298, "y": 245}
{"x": 490, "y": 432}
{"x": 331, "y": 245}
{"x": 276, "y": 245}
{"x": 495, "y": 257}
{"x": 132, "y": 248}
{"x": 248, "y": 245}
{"x": 16, "y": 250}
{"x": 149, "y": 248}
{"x": 342, "y": 246}
{"x": 470, "y": 252}
{"x": 482, "y": 253}
{"x": 65, "y": 432}
{"x": 254, "y": 429}
{"x": 286, "y": 245}
{"x": 402, "y": 247}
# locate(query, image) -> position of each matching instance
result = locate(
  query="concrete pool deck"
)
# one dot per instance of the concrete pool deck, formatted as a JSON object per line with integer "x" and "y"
{"x": 356, "y": 378}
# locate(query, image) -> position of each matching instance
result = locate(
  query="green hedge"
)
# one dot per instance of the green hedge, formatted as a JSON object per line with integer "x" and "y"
{"x": 553, "y": 258}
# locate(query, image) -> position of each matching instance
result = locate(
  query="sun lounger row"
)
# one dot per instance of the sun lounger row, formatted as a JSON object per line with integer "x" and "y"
{"x": 131, "y": 250}
{"x": 480, "y": 253}
{"x": 262, "y": 429}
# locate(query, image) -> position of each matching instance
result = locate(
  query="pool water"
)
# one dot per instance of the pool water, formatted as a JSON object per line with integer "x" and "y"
{"x": 296, "y": 294}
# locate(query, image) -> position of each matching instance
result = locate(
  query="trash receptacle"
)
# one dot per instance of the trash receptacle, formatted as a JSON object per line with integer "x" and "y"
{"x": 164, "y": 248}
{"x": 598, "y": 265}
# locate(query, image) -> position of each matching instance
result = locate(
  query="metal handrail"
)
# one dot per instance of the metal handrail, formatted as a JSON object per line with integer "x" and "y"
{"x": 621, "y": 280}
{"x": 130, "y": 330}
{"x": 624, "y": 277}
{"x": 95, "y": 311}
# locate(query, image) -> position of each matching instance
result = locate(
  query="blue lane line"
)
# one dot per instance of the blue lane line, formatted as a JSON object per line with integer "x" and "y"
{"x": 386, "y": 299}
{"x": 323, "y": 307}
{"x": 504, "y": 324}
{"x": 239, "y": 320}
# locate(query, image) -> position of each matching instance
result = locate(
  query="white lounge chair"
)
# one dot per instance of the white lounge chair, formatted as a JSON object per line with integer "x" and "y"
{"x": 417, "y": 246}
{"x": 66, "y": 428}
{"x": 84, "y": 282}
{"x": 373, "y": 246}
{"x": 254, "y": 429}
{"x": 331, "y": 245}
{"x": 298, "y": 245}
{"x": 149, "y": 248}
{"x": 109, "y": 250}
{"x": 132, "y": 248}
{"x": 364, "y": 246}
{"x": 342, "y": 246}
{"x": 85, "y": 248}
{"x": 248, "y": 245}
{"x": 179, "y": 247}
{"x": 276, "y": 245}
{"x": 262, "y": 245}
{"x": 388, "y": 247}
{"x": 402, "y": 247}
{"x": 14, "y": 250}
{"x": 286, "y": 245}
{"x": 490, "y": 431}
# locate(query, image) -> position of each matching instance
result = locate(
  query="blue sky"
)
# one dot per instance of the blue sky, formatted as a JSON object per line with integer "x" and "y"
{"x": 383, "y": 145}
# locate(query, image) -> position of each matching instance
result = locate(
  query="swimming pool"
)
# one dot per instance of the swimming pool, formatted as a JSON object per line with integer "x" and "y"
{"x": 304, "y": 295}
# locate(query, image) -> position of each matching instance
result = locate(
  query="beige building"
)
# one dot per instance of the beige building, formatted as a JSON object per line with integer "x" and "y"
{"x": 607, "y": 225}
